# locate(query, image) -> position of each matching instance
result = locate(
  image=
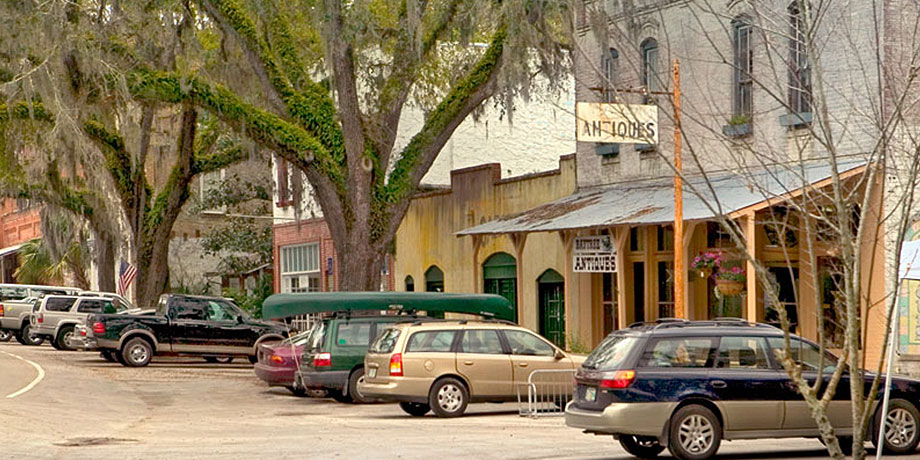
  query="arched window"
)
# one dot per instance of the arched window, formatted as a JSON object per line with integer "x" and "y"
{"x": 410, "y": 283}
{"x": 434, "y": 279}
{"x": 650, "y": 65}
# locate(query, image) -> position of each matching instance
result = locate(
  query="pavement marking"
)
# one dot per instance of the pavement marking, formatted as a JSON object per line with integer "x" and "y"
{"x": 41, "y": 375}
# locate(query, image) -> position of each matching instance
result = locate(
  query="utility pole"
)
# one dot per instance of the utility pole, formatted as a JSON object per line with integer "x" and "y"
{"x": 680, "y": 273}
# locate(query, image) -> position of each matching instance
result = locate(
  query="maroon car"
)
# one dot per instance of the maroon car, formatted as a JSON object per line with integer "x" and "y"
{"x": 279, "y": 360}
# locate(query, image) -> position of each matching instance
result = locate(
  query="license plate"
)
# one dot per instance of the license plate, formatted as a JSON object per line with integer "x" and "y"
{"x": 372, "y": 372}
{"x": 590, "y": 394}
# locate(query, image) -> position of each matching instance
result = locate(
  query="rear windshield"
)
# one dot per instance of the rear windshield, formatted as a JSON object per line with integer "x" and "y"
{"x": 386, "y": 341}
{"x": 611, "y": 353}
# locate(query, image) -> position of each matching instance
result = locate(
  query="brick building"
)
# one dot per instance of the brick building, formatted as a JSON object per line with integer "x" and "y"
{"x": 19, "y": 222}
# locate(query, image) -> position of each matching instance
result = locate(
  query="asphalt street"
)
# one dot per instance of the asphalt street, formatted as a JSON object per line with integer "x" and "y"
{"x": 184, "y": 408}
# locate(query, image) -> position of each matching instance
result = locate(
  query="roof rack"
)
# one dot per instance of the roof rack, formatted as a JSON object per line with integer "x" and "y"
{"x": 716, "y": 322}
{"x": 458, "y": 321}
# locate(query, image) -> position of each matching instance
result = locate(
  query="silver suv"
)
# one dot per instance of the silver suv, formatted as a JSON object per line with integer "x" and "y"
{"x": 57, "y": 317}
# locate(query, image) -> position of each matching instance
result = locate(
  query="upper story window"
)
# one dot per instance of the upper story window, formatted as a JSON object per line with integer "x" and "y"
{"x": 743, "y": 65}
{"x": 799, "y": 68}
{"x": 650, "y": 67}
{"x": 611, "y": 65}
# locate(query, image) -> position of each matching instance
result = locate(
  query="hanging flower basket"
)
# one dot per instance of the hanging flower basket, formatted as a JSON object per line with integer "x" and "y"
{"x": 706, "y": 262}
{"x": 730, "y": 281}
{"x": 729, "y": 287}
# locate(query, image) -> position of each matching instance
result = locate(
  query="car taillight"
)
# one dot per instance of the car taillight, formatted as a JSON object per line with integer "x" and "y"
{"x": 41, "y": 318}
{"x": 1, "y": 309}
{"x": 396, "y": 365}
{"x": 621, "y": 379}
{"x": 83, "y": 332}
{"x": 322, "y": 360}
{"x": 277, "y": 359}
{"x": 98, "y": 328}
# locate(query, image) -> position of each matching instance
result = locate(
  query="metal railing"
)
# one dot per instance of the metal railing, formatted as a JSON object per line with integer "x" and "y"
{"x": 546, "y": 393}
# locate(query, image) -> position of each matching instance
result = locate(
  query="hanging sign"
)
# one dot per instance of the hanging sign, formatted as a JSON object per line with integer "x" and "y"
{"x": 616, "y": 123}
{"x": 594, "y": 254}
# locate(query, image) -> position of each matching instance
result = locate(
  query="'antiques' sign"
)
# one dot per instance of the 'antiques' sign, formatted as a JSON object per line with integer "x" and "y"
{"x": 616, "y": 123}
{"x": 594, "y": 254}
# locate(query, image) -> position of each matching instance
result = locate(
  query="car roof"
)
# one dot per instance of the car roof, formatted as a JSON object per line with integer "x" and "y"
{"x": 434, "y": 323}
{"x": 684, "y": 328}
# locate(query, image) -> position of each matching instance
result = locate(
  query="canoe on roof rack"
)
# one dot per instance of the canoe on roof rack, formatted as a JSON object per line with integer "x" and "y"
{"x": 292, "y": 304}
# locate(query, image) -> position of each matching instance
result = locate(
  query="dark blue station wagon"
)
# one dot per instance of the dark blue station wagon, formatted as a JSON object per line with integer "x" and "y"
{"x": 687, "y": 385}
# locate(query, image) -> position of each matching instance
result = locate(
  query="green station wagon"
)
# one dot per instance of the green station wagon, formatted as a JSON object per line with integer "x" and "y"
{"x": 334, "y": 361}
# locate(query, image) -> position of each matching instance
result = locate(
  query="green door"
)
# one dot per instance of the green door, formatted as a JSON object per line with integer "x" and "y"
{"x": 551, "y": 289}
{"x": 499, "y": 273}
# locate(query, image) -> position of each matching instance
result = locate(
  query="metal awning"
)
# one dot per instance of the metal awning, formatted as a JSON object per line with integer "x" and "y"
{"x": 651, "y": 201}
{"x": 9, "y": 249}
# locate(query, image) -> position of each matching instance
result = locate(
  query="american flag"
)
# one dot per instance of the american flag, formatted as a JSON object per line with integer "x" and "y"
{"x": 125, "y": 277}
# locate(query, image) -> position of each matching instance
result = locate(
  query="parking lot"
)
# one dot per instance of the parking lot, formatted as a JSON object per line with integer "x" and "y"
{"x": 184, "y": 408}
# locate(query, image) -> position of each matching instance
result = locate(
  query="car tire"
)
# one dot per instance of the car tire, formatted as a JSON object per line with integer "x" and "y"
{"x": 415, "y": 409}
{"x": 5, "y": 335}
{"x": 108, "y": 356}
{"x": 119, "y": 358}
{"x": 64, "y": 339}
{"x": 339, "y": 396}
{"x": 448, "y": 398}
{"x": 137, "y": 352}
{"x": 641, "y": 446}
{"x": 56, "y": 345}
{"x": 904, "y": 417}
{"x": 26, "y": 338}
{"x": 695, "y": 433}
{"x": 354, "y": 379}
{"x": 299, "y": 392}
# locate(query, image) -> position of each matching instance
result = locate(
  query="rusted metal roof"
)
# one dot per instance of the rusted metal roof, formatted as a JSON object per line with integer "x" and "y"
{"x": 651, "y": 201}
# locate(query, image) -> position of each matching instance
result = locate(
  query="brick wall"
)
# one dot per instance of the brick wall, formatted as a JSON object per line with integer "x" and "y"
{"x": 17, "y": 226}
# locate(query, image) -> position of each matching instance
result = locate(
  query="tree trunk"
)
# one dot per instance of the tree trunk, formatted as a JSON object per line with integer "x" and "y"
{"x": 152, "y": 274}
{"x": 359, "y": 265}
{"x": 105, "y": 262}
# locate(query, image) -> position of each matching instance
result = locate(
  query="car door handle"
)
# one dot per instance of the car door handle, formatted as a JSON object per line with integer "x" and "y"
{"x": 718, "y": 384}
{"x": 523, "y": 364}
{"x": 468, "y": 363}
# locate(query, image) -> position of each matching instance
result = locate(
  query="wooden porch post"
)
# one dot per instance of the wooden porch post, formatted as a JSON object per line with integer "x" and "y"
{"x": 688, "y": 297}
{"x": 750, "y": 236}
{"x": 518, "y": 240}
{"x": 622, "y": 239}
{"x": 568, "y": 237}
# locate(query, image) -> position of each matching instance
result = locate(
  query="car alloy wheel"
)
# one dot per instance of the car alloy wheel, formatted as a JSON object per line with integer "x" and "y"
{"x": 448, "y": 397}
{"x": 901, "y": 427}
{"x": 5, "y": 335}
{"x": 696, "y": 434}
{"x": 137, "y": 352}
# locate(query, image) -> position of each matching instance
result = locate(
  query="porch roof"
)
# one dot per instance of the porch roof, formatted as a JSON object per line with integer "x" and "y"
{"x": 651, "y": 201}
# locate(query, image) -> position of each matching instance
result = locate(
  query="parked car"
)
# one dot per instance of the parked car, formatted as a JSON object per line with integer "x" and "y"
{"x": 442, "y": 366}
{"x": 210, "y": 327}
{"x": 57, "y": 317}
{"x": 688, "y": 385}
{"x": 334, "y": 360}
{"x": 81, "y": 332}
{"x": 16, "y": 304}
{"x": 278, "y": 361}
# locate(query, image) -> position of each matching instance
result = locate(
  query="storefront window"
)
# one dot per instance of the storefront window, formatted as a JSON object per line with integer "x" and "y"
{"x": 665, "y": 289}
{"x": 665, "y": 238}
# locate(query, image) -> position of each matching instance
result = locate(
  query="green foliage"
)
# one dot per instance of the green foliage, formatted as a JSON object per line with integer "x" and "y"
{"x": 36, "y": 265}
{"x": 575, "y": 345}
{"x": 251, "y": 302}
{"x": 241, "y": 245}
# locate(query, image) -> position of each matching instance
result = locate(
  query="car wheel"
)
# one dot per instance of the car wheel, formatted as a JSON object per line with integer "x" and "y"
{"x": 354, "y": 379}
{"x": 136, "y": 353}
{"x": 339, "y": 396}
{"x": 55, "y": 344}
{"x": 119, "y": 358}
{"x": 448, "y": 398}
{"x": 28, "y": 338}
{"x": 5, "y": 335}
{"x": 641, "y": 446}
{"x": 695, "y": 433}
{"x": 65, "y": 339}
{"x": 902, "y": 428}
{"x": 415, "y": 409}
{"x": 107, "y": 355}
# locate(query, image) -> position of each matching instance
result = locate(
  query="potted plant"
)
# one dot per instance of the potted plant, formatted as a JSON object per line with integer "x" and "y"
{"x": 730, "y": 281}
{"x": 706, "y": 262}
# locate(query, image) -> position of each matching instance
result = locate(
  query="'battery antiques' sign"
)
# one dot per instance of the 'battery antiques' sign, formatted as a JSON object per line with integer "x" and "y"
{"x": 594, "y": 254}
{"x": 616, "y": 123}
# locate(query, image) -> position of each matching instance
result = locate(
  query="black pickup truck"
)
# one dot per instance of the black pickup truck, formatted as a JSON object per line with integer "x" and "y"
{"x": 211, "y": 327}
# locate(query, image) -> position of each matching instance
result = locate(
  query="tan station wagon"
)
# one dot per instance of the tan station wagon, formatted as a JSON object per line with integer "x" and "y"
{"x": 445, "y": 365}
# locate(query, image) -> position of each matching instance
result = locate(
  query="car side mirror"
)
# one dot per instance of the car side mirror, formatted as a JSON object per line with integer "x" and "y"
{"x": 559, "y": 354}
